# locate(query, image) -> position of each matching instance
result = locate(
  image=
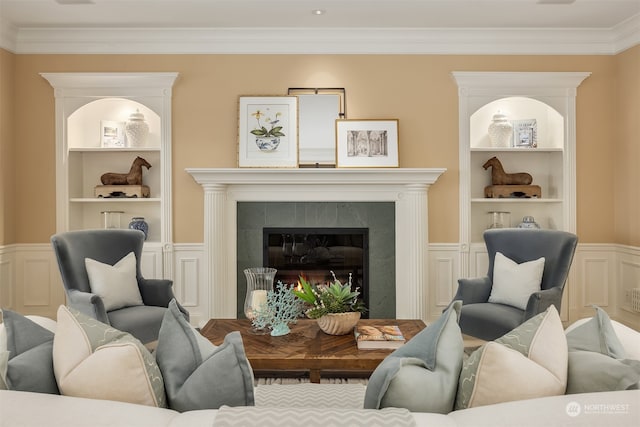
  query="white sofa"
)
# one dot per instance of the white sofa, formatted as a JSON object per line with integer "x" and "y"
{"x": 25, "y": 409}
{"x": 328, "y": 405}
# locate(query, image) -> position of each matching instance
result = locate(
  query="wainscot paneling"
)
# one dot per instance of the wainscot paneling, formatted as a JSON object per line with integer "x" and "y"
{"x": 7, "y": 268}
{"x": 593, "y": 281}
{"x": 37, "y": 287}
{"x": 628, "y": 278}
{"x": 188, "y": 283}
{"x": 443, "y": 277}
{"x": 601, "y": 274}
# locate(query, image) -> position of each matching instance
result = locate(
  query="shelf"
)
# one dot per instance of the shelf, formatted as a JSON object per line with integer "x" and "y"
{"x": 516, "y": 200}
{"x": 516, "y": 149}
{"x": 114, "y": 200}
{"x": 103, "y": 150}
{"x": 83, "y": 102}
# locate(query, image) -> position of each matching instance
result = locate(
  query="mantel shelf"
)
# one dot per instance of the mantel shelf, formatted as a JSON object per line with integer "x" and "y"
{"x": 117, "y": 150}
{"x": 516, "y": 149}
{"x": 319, "y": 176}
{"x": 114, "y": 199}
{"x": 515, "y": 200}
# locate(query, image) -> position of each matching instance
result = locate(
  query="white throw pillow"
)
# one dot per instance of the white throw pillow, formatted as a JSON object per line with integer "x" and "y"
{"x": 528, "y": 362}
{"x": 95, "y": 361}
{"x": 115, "y": 284}
{"x": 514, "y": 283}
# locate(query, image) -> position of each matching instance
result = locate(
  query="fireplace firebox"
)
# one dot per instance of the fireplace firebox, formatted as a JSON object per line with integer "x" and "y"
{"x": 316, "y": 252}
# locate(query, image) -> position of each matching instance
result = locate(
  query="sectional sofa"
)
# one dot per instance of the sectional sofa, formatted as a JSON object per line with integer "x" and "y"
{"x": 620, "y": 408}
{"x": 334, "y": 404}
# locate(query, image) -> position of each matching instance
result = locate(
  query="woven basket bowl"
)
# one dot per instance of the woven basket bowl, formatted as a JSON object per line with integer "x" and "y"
{"x": 339, "y": 323}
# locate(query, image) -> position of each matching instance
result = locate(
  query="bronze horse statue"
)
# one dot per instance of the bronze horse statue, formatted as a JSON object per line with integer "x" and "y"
{"x": 134, "y": 177}
{"x": 500, "y": 177}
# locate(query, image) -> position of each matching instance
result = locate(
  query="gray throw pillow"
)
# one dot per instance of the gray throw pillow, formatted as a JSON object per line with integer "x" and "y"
{"x": 422, "y": 375}
{"x": 197, "y": 374}
{"x": 30, "y": 347}
{"x": 597, "y": 334}
{"x": 593, "y": 372}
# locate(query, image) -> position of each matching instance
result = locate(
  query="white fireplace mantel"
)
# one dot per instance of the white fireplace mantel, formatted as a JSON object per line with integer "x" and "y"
{"x": 406, "y": 187}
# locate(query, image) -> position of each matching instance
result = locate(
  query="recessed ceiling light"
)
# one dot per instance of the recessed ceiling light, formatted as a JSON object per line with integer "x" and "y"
{"x": 318, "y": 12}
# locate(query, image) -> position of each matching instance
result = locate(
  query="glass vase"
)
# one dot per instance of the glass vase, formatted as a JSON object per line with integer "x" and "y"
{"x": 259, "y": 282}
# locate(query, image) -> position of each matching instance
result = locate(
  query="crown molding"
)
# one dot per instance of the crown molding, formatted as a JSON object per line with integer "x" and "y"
{"x": 8, "y": 34}
{"x": 626, "y": 34}
{"x": 477, "y": 41}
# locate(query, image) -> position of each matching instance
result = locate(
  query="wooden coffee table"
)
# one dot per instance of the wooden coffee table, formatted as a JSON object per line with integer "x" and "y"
{"x": 306, "y": 348}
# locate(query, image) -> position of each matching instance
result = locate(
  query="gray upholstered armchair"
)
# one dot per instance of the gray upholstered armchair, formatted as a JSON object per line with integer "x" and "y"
{"x": 488, "y": 321}
{"x": 108, "y": 247}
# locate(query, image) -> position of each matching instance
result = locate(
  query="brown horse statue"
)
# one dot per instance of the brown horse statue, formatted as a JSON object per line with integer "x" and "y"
{"x": 500, "y": 177}
{"x": 134, "y": 177}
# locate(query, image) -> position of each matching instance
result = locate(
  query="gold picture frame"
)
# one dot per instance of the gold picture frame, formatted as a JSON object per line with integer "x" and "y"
{"x": 369, "y": 143}
{"x": 268, "y": 131}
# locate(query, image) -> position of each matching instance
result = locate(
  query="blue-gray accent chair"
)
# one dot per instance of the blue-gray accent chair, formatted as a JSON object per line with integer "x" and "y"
{"x": 480, "y": 318}
{"x": 109, "y": 246}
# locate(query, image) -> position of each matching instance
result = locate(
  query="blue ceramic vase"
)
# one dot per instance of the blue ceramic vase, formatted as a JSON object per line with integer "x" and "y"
{"x": 138, "y": 223}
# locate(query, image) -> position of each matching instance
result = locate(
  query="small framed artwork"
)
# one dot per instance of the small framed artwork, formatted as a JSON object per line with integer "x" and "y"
{"x": 268, "y": 132}
{"x": 525, "y": 133}
{"x": 367, "y": 143}
{"x": 112, "y": 134}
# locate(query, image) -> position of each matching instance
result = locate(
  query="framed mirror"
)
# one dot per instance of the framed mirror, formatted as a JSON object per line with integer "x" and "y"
{"x": 318, "y": 109}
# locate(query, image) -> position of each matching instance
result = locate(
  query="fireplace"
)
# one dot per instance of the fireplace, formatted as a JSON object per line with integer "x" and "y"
{"x": 317, "y": 254}
{"x": 225, "y": 188}
{"x": 378, "y": 218}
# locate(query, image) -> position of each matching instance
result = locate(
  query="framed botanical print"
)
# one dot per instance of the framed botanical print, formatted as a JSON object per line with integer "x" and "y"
{"x": 367, "y": 143}
{"x": 268, "y": 132}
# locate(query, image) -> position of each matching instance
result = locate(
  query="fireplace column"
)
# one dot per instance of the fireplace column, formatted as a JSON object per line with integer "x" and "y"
{"x": 216, "y": 247}
{"x": 411, "y": 252}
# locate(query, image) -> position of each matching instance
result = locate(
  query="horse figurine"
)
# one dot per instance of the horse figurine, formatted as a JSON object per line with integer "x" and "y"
{"x": 500, "y": 177}
{"x": 134, "y": 177}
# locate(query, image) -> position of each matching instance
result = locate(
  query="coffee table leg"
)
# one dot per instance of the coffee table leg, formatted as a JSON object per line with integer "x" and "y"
{"x": 314, "y": 376}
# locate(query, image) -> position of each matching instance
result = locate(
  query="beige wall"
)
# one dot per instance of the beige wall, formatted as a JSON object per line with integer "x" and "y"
{"x": 416, "y": 89}
{"x": 7, "y": 149}
{"x": 626, "y": 170}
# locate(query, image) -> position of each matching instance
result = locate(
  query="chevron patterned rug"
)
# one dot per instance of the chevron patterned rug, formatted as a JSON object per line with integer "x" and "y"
{"x": 343, "y": 396}
{"x": 289, "y": 381}
{"x": 310, "y": 417}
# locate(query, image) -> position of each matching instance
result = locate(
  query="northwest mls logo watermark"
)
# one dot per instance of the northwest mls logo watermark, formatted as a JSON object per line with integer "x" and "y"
{"x": 574, "y": 409}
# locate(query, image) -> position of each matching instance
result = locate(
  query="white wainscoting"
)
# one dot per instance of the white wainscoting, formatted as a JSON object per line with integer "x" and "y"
{"x": 627, "y": 278}
{"x": 7, "y": 276}
{"x": 601, "y": 274}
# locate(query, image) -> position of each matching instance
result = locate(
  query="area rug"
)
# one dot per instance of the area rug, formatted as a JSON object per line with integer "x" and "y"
{"x": 269, "y": 381}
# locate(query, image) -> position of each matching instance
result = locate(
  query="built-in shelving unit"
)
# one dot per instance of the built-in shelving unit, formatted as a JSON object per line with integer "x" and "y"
{"x": 83, "y": 102}
{"x": 547, "y": 97}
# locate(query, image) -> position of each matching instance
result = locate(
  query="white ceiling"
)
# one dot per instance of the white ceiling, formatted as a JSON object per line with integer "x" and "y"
{"x": 347, "y": 26}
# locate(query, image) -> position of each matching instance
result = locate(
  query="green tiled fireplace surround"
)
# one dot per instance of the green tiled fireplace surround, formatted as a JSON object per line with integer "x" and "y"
{"x": 379, "y": 217}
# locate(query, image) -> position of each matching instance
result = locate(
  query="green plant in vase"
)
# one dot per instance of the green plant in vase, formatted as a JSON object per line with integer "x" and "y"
{"x": 331, "y": 304}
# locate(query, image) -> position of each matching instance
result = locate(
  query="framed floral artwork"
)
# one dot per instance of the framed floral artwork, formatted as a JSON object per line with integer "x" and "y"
{"x": 268, "y": 132}
{"x": 367, "y": 143}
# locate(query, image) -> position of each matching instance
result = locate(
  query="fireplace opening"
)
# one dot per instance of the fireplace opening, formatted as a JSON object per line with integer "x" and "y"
{"x": 315, "y": 252}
